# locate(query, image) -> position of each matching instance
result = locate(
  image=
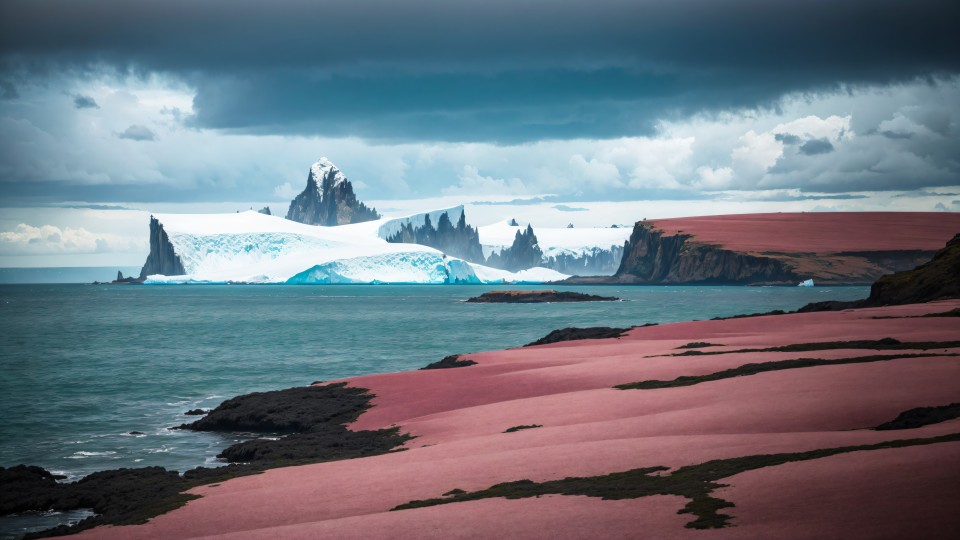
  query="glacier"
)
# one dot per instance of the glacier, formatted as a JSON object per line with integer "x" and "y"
{"x": 250, "y": 247}
{"x": 563, "y": 248}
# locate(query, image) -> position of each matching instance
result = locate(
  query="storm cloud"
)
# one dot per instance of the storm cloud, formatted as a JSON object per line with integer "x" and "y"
{"x": 500, "y": 71}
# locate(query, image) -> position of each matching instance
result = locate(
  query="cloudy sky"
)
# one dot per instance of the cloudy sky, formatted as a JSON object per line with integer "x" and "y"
{"x": 111, "y": 109}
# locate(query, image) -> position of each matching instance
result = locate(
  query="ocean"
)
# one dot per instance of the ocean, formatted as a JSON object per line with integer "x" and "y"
{"x": 84, "y": 368}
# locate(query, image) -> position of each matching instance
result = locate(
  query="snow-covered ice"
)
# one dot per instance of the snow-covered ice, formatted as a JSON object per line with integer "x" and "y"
{"x": 250, "y": 247}
{"x": 576, "y": 242}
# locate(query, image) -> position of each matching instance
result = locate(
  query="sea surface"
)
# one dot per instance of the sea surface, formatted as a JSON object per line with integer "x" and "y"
{"x": 83, "y": 367}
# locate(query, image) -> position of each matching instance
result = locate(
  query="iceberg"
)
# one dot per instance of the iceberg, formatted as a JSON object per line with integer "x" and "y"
{"x": 250, "y": 247}
{"x": 806, "y": 283}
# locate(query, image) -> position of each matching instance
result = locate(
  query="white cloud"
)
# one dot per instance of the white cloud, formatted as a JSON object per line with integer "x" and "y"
{"x": 474, "y": 183}
{"x": 285, "y": 191}
{"x": 50, "y": 239}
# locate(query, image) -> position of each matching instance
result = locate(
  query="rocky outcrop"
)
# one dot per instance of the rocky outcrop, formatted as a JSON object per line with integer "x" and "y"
{"x": 162, "y": 258}
{"x": 328, "y": 199}
{"x": 265, "y": 210}
{"x": 653, "y": 258}
{"x": 938, "y": 279}
{"x": 537, "y": 297}
{"x": 460, "y": 241}
{"x": 524, "y": 253}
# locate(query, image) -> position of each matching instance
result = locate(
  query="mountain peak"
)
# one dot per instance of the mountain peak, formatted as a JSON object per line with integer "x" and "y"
{"x": 328, "y": 199}
{"x": 324, "y": 171}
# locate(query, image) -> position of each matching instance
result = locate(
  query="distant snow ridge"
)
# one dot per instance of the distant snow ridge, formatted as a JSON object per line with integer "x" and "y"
{"x": 250, "y": 247}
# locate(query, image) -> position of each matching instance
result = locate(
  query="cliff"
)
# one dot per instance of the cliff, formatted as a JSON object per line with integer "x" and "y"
{"x": 162, "y": 258}
{"x": 840, "y": 248}
{"x": 937, "y": 279}
{"x": 652, "y": 257}
{"x": 328, "y": 199}
{"x": 524, "y": 253}
{"x": 460, "y": 241}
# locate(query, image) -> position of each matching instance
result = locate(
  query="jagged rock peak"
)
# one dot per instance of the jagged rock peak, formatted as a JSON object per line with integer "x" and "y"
{"x": 325, "y": 172}
{"x": 328, "y": 199}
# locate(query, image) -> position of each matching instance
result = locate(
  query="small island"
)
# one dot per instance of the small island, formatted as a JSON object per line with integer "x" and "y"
{"x": 534, "y": 297}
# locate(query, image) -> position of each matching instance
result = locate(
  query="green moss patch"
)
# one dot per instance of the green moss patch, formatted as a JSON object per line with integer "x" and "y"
{"x": 885, "y": 344}
{"x": 696, "y": 483}
{"x": 922, "y": 416}
{"x": 763, "y": 367}
{"x": 699, "y": 345}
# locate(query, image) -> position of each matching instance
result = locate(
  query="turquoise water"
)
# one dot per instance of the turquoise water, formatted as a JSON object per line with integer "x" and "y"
{"x": 83, "y": 366}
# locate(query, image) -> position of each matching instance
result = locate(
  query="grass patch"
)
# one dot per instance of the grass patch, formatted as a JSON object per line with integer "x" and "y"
{"x": 694, "y": 482}
{"x": 922, "y": 416}
{"x": 518, "y": 428}
{"x": 763, "y": 367}
{"x": 885, "y": 344}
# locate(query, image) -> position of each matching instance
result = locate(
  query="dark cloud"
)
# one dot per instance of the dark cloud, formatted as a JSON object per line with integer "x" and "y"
{"x": 896, "y": 135}
{"x": 494, "y": 70}
{"x": 787, "y": 138}
{"x": 565, "y": 208}
{"x": 8, "y": 90}
{"x": 137, "y": 132}
{"x": 85, "y": 102}
{"x": 815, "y": 147}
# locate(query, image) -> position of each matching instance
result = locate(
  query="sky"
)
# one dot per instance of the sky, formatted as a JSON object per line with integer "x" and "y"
{"x": 591, "y": 113}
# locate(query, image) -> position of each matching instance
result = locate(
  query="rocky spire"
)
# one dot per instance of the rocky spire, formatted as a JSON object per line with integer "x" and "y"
{"x": 328, "y": 199}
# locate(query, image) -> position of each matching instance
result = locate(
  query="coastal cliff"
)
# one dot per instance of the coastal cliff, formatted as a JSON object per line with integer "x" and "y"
{"x": 328, "y": 199}
{"x": 778, "y": 249}
{"x": 162, "y": 258}
{"x": 652, "y": 257}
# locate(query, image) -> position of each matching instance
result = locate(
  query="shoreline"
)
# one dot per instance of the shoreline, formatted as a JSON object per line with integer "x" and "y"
{"x": 458, "y": 416}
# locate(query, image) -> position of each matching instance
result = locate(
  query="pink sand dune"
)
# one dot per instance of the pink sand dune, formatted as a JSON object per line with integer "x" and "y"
{"x": 458, "y": 417}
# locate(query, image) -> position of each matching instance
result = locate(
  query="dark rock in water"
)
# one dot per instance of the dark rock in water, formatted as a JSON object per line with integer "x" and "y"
{"x": 314, "y": 418}
{"x": 452, "y": 361}
{"x": 938, "y": 279}
{"x": 286, "y": 411}
{"x": 460, "y": 241}
{"x": 162, "y": 258}
{"x": 523, "y": 254}
{"x": 24, "y": 488}
{"x": 135, "y": 433}
{"x": 573, "y": 334}
{"x": 328, "y": 199}
{"x": 130, "y": 280}
{"x": 195, "y": 412}
{"x": 533, "y": 297}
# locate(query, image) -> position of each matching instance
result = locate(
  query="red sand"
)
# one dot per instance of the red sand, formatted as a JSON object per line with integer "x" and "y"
{"x": 458, "y": 416}
{"x": 820, "y": 232}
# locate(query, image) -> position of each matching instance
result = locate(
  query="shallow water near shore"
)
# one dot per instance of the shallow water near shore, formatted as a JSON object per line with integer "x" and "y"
{"x": 85, "y": 366}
